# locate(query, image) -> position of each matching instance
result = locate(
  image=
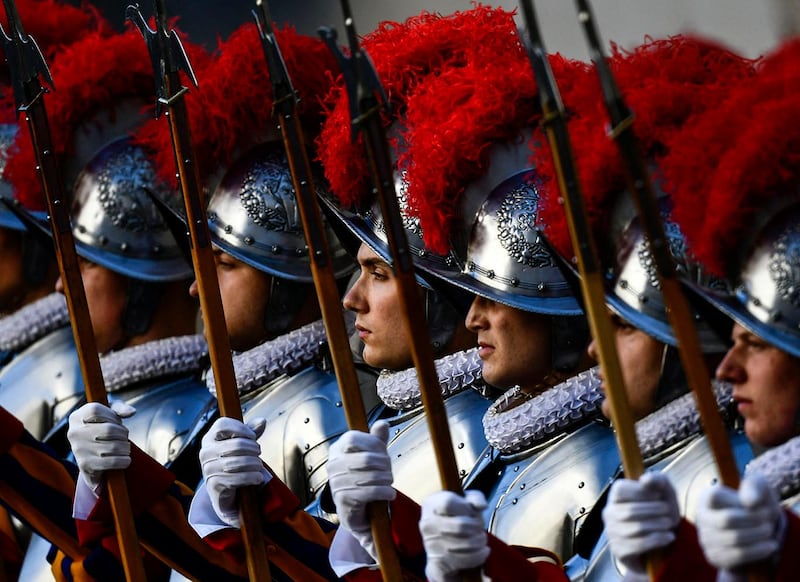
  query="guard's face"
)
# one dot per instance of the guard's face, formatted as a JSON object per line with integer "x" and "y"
{"x": 12, "y": 281}
{"x": 766, "y": 387}
{"x": 514, "y": 345}
{"x": 379, "y": 319}
{"x": 106, "y": 296}
{"x": 244, "y": 292}
{"x": 641, "y": 360}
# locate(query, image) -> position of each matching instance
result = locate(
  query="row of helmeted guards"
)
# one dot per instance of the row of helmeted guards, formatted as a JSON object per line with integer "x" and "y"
{"x": 510, "y": 431}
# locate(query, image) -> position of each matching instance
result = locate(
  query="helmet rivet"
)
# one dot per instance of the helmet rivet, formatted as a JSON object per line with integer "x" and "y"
{"x": 643, "y": 298}
{"x": 275, "y": 249}
{"x": 103, "y": 240}
{"x": 81, "y": 229}
{"x": 156, "y": 249}
{"x": 422, "y": 252}
{"x": 299, "y": 252}
{"x": 471, "y": 266}
{"x": 490, "y": 274}
{"x": 514, "y": 282}
{"x": 228, "y": 229}
{"x": 623, "y": 283}
{"x": 248, "y": 240}
{"x": 541, "y": 286}
{"x": 124, "y": 247}
{"x": 756, "y": 302}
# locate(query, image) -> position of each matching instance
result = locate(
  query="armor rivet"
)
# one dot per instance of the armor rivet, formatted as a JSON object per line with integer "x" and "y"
{"x": 397, "y": 431}
{"x": 462, "y": 472}
{"x": 308, "y": 446}
{"x": 514, "y": 501}
{"x": 486, "y": 456}
{"x": 521, "y": 487}
{"x": 103, "y": 241}
{"x": 124, "y": 247}
{"x": 516, "y": 468}
{"x": 471, "y": 266}
{"x": 299, "y": 252}
{"x": 582, "y": 510}
{"x": 756, "y": 302}
{"x": 179, "y": 411}
{"x": 422, "y": 253}
{"x": 310, "y": 468}
{"x": 581, "y": 485}
{"x": 228, "y": 229}
{"x": 541, "y": 286}
{"x": 338, "y": 405}
{"x": 81, "y": 229}
{"x": 306, "y": 420}
{"x": 275, "y": 249}
{"x": 623, "y": 283}
{"x": 643, "y": 298}
{"x": 248, "y": 240}
{"x": 156, "y": 249}
{"x": 460, "y": 445}
{"x": 514, "y": 282}
{"x": 490, "y": 274}
{"x": 59, "y": 374}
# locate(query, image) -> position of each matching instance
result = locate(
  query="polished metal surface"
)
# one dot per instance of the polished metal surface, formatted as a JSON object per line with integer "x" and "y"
{"x": 116, "y": 224}
{"x": 253, "y": 215}
{"x": 304, "y": 416}
{"x": 411, "y": 451}
{"x": 43, "y": 383}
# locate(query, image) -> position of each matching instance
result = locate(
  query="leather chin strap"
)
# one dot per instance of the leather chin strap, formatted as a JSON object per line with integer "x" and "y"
{"x": 286, "y": 298}
{"x": 442, "y": 318}
{"x": 37, "y": 256}
{"x": 569, "y": 335}
{"x": 140, "y": 306}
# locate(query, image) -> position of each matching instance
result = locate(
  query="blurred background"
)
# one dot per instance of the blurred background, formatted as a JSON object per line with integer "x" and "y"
{"x": 751, "y": 27}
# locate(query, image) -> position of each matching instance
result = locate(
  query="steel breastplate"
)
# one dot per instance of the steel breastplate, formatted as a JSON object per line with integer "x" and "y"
{"x": 43, "y": 383}
{"x": 410, "y": 446}
{"x": 304, "y": 416}
{"x": 690, "y": 469}
{"x": 558, "y": 482}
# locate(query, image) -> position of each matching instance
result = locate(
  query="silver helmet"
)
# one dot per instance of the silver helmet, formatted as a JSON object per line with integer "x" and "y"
{"x": 633, "y": 290}
{"x": 766, "y": 299}
{"x": 115, "y": 222}
{"x": 501, "y": 252}
{"x": 253, "y": 216}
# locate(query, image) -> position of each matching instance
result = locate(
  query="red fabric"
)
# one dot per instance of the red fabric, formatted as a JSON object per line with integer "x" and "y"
{"x": 740, "y": 158}
{"x": 147, "y": 481}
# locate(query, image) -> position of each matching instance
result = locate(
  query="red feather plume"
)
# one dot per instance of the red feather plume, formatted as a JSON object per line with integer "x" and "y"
{"x": 232, "y": 109}
{"x": 741, "y": 158}
{"x": 403, "y": 55}
{"x": 91, "y": 74}
{"x": 664, "y": 82}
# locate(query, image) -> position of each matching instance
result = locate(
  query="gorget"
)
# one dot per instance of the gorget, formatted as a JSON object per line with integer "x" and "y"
{"x": 517, "y": 421}
{"x": 284, "y": 355}
{"x": 676, "y": 421}
{"x": 32, "y": 322}
{"x": 780, "y": 466}
{"x": 156, "y": 359}
{"x": 400, "y": 390}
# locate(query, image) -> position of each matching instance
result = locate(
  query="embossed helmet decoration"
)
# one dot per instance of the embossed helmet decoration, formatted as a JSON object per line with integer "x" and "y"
{"x": 748, "y": 227}
{"x": 472, "y": 184}
{"x": 692, "y": 76}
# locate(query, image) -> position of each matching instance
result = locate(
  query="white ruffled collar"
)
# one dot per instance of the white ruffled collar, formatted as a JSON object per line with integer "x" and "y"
{"x": 677, "y": 421}
{"x": 780, "y": 466}
{"x": 156, "y": 359}
{"x": 400, "y": 390}
{"x": 32, "y": 322}
{"x": 510, "y": 427}
{"x": 283, "y": 355}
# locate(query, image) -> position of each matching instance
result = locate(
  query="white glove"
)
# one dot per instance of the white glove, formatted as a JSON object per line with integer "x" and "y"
{"x": 640, "y": 516}
{"x": 737, "y": 528}
{"x": 453, "y": 534}
{"x": 229, "y": 458}
{"x": 359, "y": 472}
{"x": 99, "y": 441}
